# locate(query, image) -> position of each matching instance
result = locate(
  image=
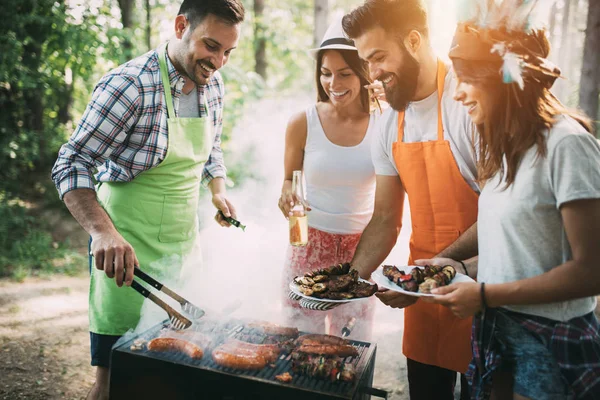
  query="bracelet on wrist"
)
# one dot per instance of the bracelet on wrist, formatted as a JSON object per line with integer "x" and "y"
{"x": 464, "y": 267}
{"x": 483, "y": 302}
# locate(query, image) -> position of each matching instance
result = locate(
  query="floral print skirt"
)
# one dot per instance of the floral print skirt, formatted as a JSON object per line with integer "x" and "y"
{"x": 324, "y": 250}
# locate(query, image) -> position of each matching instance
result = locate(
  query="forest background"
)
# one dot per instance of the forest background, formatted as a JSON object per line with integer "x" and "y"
{"x": 52, "y": 52}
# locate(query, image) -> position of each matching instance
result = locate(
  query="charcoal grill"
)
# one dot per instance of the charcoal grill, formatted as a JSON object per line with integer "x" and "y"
{"x": 152, "y": 375}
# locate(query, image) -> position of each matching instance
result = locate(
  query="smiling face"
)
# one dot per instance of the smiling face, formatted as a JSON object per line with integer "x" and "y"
{"x": 390, "y": 63}
{"x": 473, "y": 97}
{"x": 204, "y": 49}
{"x": 338, "y": 80}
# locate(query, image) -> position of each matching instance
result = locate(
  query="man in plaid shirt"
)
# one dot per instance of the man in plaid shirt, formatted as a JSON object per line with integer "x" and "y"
{"x": 150, "y": 149}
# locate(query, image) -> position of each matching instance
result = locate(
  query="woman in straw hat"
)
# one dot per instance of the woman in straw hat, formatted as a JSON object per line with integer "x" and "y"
{"x": 535, "y": 334}
{"x": 330, "y": 141}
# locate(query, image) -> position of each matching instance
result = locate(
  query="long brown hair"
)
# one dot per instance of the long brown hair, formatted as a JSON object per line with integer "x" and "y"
{"x": 358, "y": 66}
{"x": 516, "y": 119}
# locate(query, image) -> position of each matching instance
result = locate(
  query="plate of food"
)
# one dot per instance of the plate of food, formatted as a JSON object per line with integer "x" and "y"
{"x": 336, "y": 284}
{"x": 417, "y": 281}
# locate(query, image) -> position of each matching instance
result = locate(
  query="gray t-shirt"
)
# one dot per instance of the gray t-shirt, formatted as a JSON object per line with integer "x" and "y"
{"x": 420, "y": 125}
{"x": 520, "y": 229}
{"x": 188, "y": 105}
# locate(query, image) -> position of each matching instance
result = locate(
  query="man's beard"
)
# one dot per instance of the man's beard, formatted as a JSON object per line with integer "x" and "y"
{"x": 405, "y": 83}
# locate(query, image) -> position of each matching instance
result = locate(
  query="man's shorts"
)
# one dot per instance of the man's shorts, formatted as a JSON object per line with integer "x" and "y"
{"x": 100, "y": 348}
{"x": 536, "y": 373}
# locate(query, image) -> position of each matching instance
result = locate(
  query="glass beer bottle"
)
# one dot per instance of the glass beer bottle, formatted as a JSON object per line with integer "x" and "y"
{"x": 298, "y": 219}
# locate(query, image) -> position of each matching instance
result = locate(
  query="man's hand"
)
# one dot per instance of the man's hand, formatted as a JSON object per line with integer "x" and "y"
{"x": 222, "y": 204}
{"x": 113, "y": 254}
{"x": 463, "y": 299}
{"x": 442, "y": 262}
{"x": 395, "y": 299}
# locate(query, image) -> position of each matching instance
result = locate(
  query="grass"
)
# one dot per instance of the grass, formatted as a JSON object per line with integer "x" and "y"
{"x": 27, "y": 247}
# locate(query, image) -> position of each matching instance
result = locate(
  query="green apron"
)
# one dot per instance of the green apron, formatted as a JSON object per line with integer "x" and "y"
{"x": 156, "y": 213}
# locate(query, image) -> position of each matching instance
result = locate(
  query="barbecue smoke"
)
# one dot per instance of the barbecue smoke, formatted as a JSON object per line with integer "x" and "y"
{"x": 235, "y": 274}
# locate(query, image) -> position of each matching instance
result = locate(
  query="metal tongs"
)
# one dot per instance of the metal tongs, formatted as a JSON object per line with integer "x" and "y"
{"x": 178, "y": 320}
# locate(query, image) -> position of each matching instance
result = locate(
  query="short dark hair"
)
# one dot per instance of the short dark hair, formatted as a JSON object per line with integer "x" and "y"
{"x": 230, "y": 11}
{"x": 394, "y": 16}
{"x": 358, "y": 66}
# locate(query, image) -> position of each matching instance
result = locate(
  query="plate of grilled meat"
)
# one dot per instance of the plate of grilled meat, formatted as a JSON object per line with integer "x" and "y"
{"x": 417, "y": 281}
{"x": 337, "y": 284}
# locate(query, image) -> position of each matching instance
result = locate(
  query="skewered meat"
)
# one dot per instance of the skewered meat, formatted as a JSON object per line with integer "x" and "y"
{"x": 330, "y": 368}
{"x": 348, "y": 373}
{"x": 421, "y": 280}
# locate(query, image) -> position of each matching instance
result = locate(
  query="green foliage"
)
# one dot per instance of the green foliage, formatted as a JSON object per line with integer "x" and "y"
{"x": 43, "y": 49}
{"x": 26, "y": 247}
{"x": 52, "y": 53}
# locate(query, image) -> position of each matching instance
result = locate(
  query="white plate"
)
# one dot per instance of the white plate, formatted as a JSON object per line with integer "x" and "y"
{"x": 385, "y": 283}
{"x": 295, "y": 290}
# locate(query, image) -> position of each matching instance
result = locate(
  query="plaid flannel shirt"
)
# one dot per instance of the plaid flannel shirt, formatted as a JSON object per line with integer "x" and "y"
{"x": 575, "y": 344}
{"x": 123, "y": 131}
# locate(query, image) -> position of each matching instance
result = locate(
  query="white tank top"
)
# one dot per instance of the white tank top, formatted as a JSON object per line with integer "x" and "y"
{"x": 340, "y": 181}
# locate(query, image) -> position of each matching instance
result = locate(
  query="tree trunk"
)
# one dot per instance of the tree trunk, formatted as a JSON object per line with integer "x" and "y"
{"x": 321, "y": 16}
{"x": 126, "y": 7}
{"x": 260, "y": 43}
{"x": 589, "y": 85}
{"x": 564, "y": 52}
{"x": 148, "y": 25}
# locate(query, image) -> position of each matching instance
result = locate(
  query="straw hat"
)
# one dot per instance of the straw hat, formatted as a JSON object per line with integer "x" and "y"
{"x": 334, "y": 38}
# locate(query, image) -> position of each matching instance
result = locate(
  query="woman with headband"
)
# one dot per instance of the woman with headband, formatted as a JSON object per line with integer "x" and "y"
{"x": 535, "y": 335}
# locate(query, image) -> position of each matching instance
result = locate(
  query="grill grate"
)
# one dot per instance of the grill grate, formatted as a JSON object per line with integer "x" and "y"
{"x": 124, "y": 359}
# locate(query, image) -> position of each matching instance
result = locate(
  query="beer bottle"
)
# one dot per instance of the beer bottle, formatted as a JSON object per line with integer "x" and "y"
{"x": 298, "y": 219}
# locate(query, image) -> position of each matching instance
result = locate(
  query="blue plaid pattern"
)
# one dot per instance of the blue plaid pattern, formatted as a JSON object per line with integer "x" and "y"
{"x": 574, "y": 344}
{"x": 123, "y": 131}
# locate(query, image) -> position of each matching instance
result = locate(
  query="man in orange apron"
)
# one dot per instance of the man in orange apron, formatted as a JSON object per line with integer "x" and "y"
{"x": 153, "y": 131}
{"x": 425, "y": 151}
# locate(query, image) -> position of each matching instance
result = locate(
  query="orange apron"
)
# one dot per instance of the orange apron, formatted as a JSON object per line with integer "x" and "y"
{"x": 442, "y": 207}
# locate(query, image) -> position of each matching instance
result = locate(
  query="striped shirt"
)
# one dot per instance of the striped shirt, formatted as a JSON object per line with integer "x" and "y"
{"x": 123, "y": 131}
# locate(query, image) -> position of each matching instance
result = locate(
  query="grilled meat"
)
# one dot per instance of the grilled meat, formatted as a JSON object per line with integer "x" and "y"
{"x": 421, "y": 280}
{"x": 363, "y": 289}
{"x": 338, "y": 282}
{"x": 330, "y": 368}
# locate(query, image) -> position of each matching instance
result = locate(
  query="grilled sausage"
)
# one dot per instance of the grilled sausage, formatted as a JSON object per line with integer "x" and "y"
{"x": 329, "y": 349}
{"x": 178, "y": 345}
{"x": 269, "y": 351}
{"x": 314, "y": 338}
{"x": 224, "y": 357}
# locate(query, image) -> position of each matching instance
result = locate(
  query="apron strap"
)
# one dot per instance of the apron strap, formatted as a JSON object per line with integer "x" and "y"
{"x": 164, "y": 74}
{"x": 440, "y": 79}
